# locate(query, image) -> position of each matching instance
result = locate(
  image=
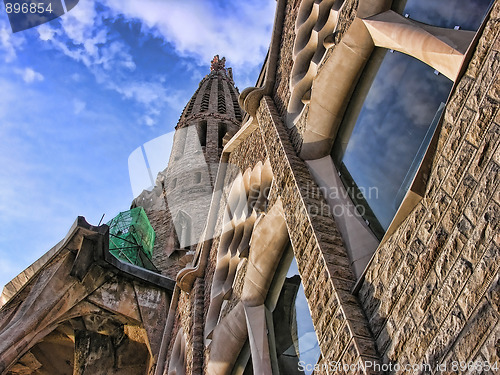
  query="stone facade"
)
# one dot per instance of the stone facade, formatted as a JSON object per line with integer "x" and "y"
{"x": 431, "y": 292}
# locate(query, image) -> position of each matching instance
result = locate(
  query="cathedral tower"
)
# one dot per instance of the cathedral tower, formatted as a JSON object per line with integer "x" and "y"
{"x": 178, "y": 205}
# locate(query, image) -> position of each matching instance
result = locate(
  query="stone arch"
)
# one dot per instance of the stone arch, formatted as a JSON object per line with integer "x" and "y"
{"x": 247, "y": 320}
{"x": 247, "y": 202}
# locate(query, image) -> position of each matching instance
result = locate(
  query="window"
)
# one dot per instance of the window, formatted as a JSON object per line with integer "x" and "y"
{"x": 375, "y": 151}
{"x": 467, "y": 14}
{"x": 222, "y": 130}
{"x": 392, "y": 117}
{"x": 197, "y": 177}
{"x": 182, "y": 224}
{"x": 295, "y": 339}
{"x": 202, "y": 133}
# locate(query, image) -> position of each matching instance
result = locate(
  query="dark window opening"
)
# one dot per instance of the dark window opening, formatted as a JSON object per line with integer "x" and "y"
{"x": 222, "y": 130}
{"x": 191, "y": 104}
{"x": 236, "y": 106}
{"x": 202, "y": 133}
{"x": 206, "y": 97}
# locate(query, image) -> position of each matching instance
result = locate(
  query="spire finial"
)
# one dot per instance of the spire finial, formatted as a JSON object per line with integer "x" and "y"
{"x": 218, "y": 64}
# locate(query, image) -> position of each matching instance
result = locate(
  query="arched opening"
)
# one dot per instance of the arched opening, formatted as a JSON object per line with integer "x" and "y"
{"x": 202, "y": 133}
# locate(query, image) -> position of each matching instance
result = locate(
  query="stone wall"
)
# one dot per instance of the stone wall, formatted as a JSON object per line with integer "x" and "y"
{"x": 249, "y": 152}
{"x": 431, "y": 294}
{"x": 156, "y": 208}
{"x": 432, "y": 290}
{"x": 338, "y": 318}
{"x": 285, "y": 62}
{"x": 183, "y": 319}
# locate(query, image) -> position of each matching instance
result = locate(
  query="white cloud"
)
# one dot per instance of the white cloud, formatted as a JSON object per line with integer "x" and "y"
{"x": 239, "y": 30}
{"x": 84, "y": 38}
{"x": 148, "y": 120}
{"x": 29, "y": 75}
{"x": 78, "y": 106}
{"x": 152, "y": 95}
{"x": 45, "y": 32}
{"x": 9, "y": 43}
{"x": 196, "y": 29}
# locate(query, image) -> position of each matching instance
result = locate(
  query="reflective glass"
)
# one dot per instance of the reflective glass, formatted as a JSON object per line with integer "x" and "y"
{"x": 448, "y": 13}
{"x": 395, "y": 122}
{"x": 308, "y": 347}
{"x": 297, "y": 348}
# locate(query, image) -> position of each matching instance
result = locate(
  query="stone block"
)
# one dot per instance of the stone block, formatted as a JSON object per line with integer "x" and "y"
{"x": 482, "y": 122}
{"x": 447, "y": 258}
{"x": 458, "y": 99}
{"x": 486, "y": 151}
{"x": 480, "y": 326}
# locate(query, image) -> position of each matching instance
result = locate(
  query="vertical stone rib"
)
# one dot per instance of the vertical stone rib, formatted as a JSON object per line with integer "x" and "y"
{"x": 322, "y": 259}
{"x": 206, "y": 97}
{"x": 221, "y": 102}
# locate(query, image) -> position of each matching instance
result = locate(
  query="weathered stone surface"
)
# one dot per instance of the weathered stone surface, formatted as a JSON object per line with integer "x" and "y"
{"x": 438, "y": 302}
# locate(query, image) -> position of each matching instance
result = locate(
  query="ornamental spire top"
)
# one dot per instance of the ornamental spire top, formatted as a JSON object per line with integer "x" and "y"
{"x": 218, "y": 64}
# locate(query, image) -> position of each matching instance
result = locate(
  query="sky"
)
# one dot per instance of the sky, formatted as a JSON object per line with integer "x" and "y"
{"x": 82, "y": 92}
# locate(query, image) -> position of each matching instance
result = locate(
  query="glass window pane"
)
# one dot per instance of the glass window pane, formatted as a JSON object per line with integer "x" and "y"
{"x": 309, "y": 350}
{"x": 467, "y": 14}
{"x": 394, "y": 123}
{"x": 297, "y": 347}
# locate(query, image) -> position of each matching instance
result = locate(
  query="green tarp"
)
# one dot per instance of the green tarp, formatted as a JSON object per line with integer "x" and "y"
{"x": 131, "y": 237}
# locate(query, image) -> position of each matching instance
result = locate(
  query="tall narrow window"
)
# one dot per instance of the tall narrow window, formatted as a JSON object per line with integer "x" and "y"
{"x": 202, "y": 133}
{"x": 221, "y": 98}
{"x": 206, "y": 97}
{"x": 197, "y": 177}
{"x": 295, "y": 338}
{"x": 182, "y": 223}
{"x": 222, "y": 130}
{"x": 236, "y": 106}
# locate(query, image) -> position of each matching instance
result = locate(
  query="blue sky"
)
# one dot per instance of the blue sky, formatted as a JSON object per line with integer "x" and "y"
{"x": 80, "y": 93}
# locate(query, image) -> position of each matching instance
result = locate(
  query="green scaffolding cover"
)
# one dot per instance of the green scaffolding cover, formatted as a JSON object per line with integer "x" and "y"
{"x": 131, "y": 237}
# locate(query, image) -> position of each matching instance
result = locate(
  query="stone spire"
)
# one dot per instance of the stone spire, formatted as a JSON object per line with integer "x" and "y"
{"x": 216, "y": 94}
{"x": 178, "y": 205}
{"x": 218, "y": 64}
